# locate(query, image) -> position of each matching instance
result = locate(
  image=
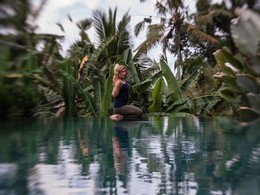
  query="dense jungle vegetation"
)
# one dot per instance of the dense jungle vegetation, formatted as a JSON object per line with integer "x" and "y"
{"x": 216, "y": 71}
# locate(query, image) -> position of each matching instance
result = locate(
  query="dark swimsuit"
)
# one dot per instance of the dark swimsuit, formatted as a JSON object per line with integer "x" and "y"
{"x": 122, "y": 97}
{"x": 129, "y": 112}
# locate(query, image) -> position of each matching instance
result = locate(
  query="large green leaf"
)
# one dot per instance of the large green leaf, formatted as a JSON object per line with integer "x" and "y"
{"x": 143, "y": 86}
{"x": 106, "y": 99}
{"x": 230, "y": 80}
{"x": 190, "y": 80}
{"x": 245, "y": 32}
{"x": 228, "y": 95}
{"x": 128, "y": 60}
{"x": 88, "y": 99}
{"x": 222, "y": 59}
{"x": 173, "y": 107}
{"x": 173, "y": 86}
{"x": 208, "y": 107}
{"x": 247, "y": 115}
{"x": 127, "y": 56}
{"x": 69, "y": 92}
{"x": 157, "y": 96}
{"x": 254, "y": 101}
{"x": 231, "y": 59}
{"x": 97, "y": 89}
{"x": 199, "y": 101}
{"x": 248, "y": 83}
{"x": 31, "y": 60}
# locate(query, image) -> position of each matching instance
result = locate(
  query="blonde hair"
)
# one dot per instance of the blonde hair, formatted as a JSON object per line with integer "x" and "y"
{"x": 117, "y": 69}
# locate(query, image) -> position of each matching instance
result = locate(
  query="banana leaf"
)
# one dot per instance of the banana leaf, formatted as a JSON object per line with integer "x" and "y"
{"x": 222, "y": 60}
{"x": 97, "y": 90}
{"x": 194, "y": 76}
{"x": 143, "y": 86}
{"x": 128, "y": 62}
{"x": 157, "y": 96}
{"x": 230, "y": 58}
{"x": 174, "y": 106}
{"x": 199, "y": 101}
{"x": 205, "y": 111}
{"x": 69, "y": 92}
{"x": 88, "y": 99}
{"x": 106, "y": 99}
{"x": 230, "y": 81}
{"x": 173, "y": 86}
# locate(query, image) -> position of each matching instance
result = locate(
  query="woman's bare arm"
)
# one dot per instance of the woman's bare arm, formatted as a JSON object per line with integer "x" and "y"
{"x": 116, "y": 88}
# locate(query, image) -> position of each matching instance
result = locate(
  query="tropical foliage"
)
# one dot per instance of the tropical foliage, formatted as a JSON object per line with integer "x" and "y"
{"x": 240, "y": 71}
{"x": 22, "y": 63}
{"x": 36, "y": 80}
{"x": 177, "y": 33}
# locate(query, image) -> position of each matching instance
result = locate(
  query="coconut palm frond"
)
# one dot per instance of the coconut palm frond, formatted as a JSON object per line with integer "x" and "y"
{"x": 161, "y": 8}
{"x": 110, "y": 24}
{"x": 124, "y": 38}
{"x": 70, "y": 18}
{"x": 209, "y": 17}
{"x": 200, "y": 35}
{"x": 94, "y": 57}
{"x": 204, "y": 19}
{"x": 147, "y": 44}
{"x": 221, "y": 12}
{"x": 139, "y": 27}
{"x": 155, "y": 28}
{"x": 99, "y": 25}
{"x": 38, "y": 10}
{"x": 146, "y": 64}
{"x": 84, "y": 36}
{"x": 84, "y": 24}
{"x": 175, "y": 4}
{"x": 61, "y": 27}
{"x": 153, "y": 37}
{"x": 106, "y": 26}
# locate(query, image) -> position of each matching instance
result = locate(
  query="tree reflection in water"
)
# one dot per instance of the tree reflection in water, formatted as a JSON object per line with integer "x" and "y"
{"x": 167, "y": 155}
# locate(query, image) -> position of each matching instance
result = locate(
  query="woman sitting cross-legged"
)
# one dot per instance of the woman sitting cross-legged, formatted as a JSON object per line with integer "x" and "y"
{"x": 122, "y": 111}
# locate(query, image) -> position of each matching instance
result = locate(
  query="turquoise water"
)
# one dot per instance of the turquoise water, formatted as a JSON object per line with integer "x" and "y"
{"x": 154, "y": 156}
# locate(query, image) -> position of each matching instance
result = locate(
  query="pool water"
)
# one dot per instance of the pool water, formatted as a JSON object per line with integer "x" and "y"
{"x": 164, "y": 155}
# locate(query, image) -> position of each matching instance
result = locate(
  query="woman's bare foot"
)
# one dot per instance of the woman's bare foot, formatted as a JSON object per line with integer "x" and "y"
{"x": 116, "y": 117}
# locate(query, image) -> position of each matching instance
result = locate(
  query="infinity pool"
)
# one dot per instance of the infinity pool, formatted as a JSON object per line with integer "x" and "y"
{"x": 164, "y": 155}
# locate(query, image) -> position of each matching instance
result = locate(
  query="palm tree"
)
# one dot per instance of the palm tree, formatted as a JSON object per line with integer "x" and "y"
{"x": 21, "y": 60}
{"x": 215, "y": 20}
{"x": 105, "y": 27}
{"x": 94, "y": 60}
{"x": 175, "y": 32}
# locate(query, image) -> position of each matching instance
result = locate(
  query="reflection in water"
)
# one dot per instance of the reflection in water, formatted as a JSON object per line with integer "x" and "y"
{"x": 156, "y": 156}
{"x": 82, "y": 143}
{"x": 120, "y": 148}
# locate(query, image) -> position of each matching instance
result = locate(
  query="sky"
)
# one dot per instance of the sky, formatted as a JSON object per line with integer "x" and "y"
{"x": 56, "y": 12}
